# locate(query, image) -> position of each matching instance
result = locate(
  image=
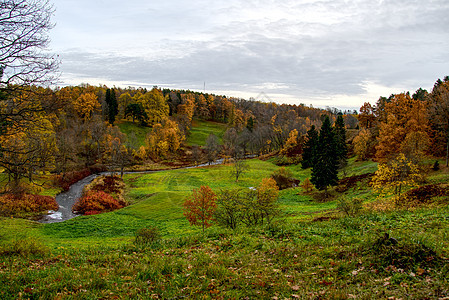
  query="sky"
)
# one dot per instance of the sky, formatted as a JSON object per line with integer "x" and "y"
{"x": 335, "y": 53}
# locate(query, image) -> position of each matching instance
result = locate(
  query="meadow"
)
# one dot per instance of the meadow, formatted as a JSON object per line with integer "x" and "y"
{"x": 310, "y": 251}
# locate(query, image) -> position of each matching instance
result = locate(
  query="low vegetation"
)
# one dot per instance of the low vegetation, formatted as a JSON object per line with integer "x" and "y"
{"x": 310, "y": 250}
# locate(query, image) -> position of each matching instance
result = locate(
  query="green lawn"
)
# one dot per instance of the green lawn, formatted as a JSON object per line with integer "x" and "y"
{"x": 140, "y": 132}
{"x": 201, "y": 130}
{"x": 298, "y": 256}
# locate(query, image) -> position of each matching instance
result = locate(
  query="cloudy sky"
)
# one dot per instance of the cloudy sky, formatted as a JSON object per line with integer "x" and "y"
{"x": 337, "y": 53}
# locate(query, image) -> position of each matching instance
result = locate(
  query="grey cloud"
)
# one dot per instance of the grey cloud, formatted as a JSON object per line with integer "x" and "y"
{"x": 387, "y": 42}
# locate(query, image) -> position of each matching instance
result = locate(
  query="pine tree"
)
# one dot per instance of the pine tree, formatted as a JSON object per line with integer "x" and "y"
{"x": 309, "y": 151}
{"x": 340, "y": 138}
{"x": 111, "y": 102}
{"x": 325, "y": 169}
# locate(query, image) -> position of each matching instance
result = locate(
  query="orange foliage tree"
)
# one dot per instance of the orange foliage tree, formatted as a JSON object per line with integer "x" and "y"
{"x": 405, "y": 129}
{"x": 366, "y": 116}
{"x": 199, "y": 208}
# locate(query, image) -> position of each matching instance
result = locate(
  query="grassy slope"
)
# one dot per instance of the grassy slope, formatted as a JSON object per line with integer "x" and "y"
{"x": 140, "y": 131}
{"x": 296, "y": 257}
{"x": 201, "y": 130}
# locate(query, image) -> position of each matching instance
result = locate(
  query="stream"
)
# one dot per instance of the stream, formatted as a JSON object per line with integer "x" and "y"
{"x": 66, "y": 200}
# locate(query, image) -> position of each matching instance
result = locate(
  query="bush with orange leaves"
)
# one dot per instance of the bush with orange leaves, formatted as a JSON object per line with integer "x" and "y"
{"x": 11, "y": 204}
{"x": 95, "y": 202}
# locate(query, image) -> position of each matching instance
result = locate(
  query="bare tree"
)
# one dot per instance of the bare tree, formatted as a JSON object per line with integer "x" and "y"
{"x": 23, "y": 41}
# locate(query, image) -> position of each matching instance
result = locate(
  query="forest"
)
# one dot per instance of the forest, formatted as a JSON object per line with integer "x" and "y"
{"x": 187, "y": 194}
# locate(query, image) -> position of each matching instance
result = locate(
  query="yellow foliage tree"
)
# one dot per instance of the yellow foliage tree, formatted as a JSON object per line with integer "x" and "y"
{"x": 362, "y": 144}
{"x": 154, "y": 105}
{"x": 291, "y": 142}
{"x": 391, "y": 176}
{"x": 267, "y": 195}
{"x": 165, "y": 138}
{"x": 86, "y": 104}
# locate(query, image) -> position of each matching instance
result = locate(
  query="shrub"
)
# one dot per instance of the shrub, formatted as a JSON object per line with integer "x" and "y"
{"x": 94, "y": 202}
{"x": 436, "y": 166}
{"x": 228, "y": 212}
{"x": 66, "y": 180}
{"x": 11, "y": 204}
{"x": 147, "y": 235}
{"x": 108, "y": 184}
{"x": 307, "y": 186}
{"x": 350, "y": 207}
{"x": 284, "y": 178}
{"x": 24, "y": 247}
{"x": 421, "y": 195}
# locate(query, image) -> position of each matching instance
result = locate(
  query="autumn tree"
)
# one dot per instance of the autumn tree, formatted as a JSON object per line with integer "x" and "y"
{"x": 325, "y": 168}
{"x": 404, "y": 129}
{"x": 239, "y": 167}
{"x": 291, "y": 146}
{"x": 123, "y": 101}
{"x": 439, "y": 114}
{"x": 267, "y": 195}
{"x": 24, "y": 61}
{"x": 363, "y": 144}
{"x": 186, "y": 111}
{"x": 86, "y": 104}
{"x": 392, "y": 175}
{"x": 154, "y": 106}
{"x": 164, "y": 138}
{"x": 28, "y": 150}
{"x": 200, "y": 206}
{"x": 367, "y": 117}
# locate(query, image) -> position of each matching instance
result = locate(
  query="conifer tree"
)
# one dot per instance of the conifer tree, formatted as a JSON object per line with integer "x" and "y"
{"x": 325, "y": 168}
{"x": 309, "y": 151}
{"x": 340, "y": 138}
{"x": 111, "y": 101}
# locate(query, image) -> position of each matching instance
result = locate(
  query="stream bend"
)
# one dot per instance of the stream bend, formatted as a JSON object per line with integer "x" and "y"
{"x": 66, "y": 200}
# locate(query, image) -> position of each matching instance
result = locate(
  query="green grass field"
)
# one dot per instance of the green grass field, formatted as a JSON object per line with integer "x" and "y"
{"x": 140, "y": 132}
{"x": 201, "y": 130}
{"x": 311, "y": 251}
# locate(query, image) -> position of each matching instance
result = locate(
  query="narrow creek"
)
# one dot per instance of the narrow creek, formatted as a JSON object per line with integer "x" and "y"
{"x": 66, "y": 200}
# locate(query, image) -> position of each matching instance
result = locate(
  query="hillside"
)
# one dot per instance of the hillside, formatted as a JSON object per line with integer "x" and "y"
{"x": 311, "y": 250}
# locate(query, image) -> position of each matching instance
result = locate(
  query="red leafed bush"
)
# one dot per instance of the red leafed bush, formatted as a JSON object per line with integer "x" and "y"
{"x": 109, "y": 184}
{"x": 94, "y": 202}
{"x": 70, "y": 178}
{"x": 11, "y": 204}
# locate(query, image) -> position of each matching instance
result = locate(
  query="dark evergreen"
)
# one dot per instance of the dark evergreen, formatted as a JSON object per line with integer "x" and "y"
{"x": 325, "y": 168}
{"x": 111, "y": 101}
{"x": 136, "y": 111}
{"x": 340, "y": 138}
{"x": 309, "y": 150}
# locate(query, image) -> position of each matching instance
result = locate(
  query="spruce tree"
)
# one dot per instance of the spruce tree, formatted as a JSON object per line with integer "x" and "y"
{"x": 309, "y": 150}
{"x": 340, "y": 137}
{"x": 325, "y": 169}
{"x": 112, "y": 104}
